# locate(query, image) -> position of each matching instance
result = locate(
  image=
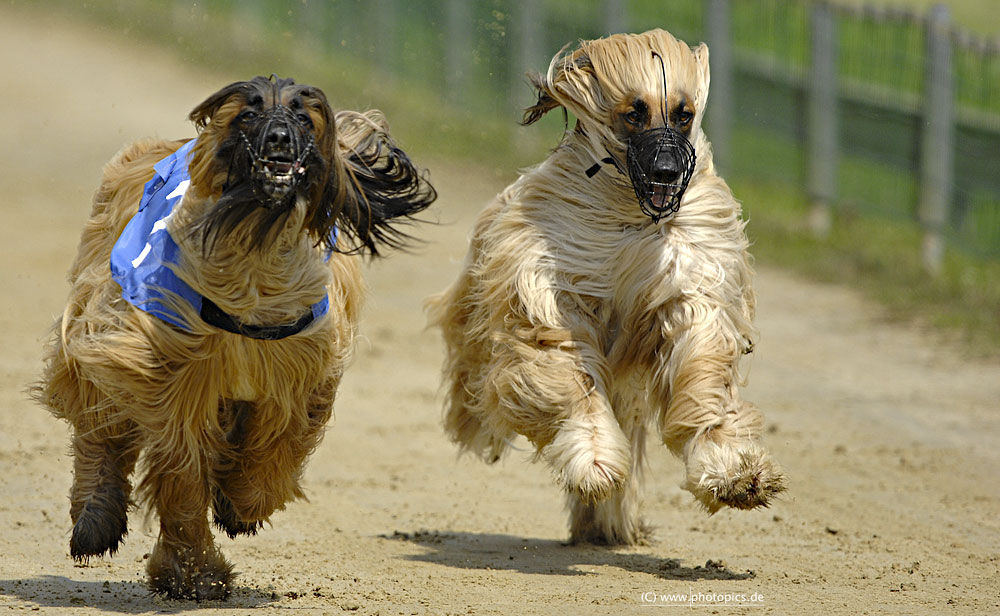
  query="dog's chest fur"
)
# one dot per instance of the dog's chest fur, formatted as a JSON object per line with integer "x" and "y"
{"x": 260, "y": 286}
{"x": 627, "y": 283}
{"x": 619, "y": 277}
{"x": 271, "y": 285}
{"x": 591, "y": 256}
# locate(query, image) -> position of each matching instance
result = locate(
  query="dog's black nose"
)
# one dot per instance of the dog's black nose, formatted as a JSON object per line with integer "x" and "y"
{"x": 665, "y": 170}
{"x": 278, "y": 135}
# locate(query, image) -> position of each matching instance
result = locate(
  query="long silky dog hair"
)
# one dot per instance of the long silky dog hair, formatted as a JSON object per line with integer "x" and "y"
{"x": 609, "y": 291}
{"x": 220, "y": 405}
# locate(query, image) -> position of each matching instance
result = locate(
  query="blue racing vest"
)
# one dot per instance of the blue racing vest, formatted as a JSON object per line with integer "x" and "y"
{"x": 144, "y": 252}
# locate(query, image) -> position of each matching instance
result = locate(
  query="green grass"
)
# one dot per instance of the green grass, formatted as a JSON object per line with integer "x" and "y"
{"x": 880, "y": 258}
{"x": 875, "y": 242}
{"x": 979, "y": 16}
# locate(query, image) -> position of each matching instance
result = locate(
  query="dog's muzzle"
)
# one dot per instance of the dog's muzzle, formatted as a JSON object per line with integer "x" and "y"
{"x": 660, "y": 163}
{"x": 280, "y": 147}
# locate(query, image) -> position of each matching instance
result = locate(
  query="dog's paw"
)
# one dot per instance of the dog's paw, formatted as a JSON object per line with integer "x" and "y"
{"x": 190, "y": 574}
{"x": 614, "y": 521}
{"x": 101, "y": 524}
{"x": 596, "y": 532}
{"x": 743, "y": 477}
{"x": 590, "y": 461}
{"x": 225, "y": 517}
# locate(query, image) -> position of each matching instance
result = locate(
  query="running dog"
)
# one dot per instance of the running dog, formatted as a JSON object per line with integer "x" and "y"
{"x": 608, "y": 291}
{"x": 212, "y": 310}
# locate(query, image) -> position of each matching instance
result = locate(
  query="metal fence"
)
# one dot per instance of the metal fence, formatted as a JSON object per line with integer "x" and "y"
{"x": 876, "y": 111}
{"x": 888, "y": 113}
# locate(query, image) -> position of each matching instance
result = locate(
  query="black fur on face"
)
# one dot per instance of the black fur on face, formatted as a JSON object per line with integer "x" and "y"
{"x": 264, "y": 139}
{"x": 273, "y": 142}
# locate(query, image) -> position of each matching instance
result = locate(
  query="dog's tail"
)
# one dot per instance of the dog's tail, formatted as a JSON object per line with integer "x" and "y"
{"x": 385, "y": 188}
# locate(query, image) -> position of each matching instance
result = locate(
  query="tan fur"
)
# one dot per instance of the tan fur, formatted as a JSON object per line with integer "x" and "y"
{"x": 207, "y": 414}
{"x": 579, "y": 323}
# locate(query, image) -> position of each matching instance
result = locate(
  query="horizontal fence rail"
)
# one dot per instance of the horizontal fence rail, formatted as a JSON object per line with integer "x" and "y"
{"x": 886, "y": 112}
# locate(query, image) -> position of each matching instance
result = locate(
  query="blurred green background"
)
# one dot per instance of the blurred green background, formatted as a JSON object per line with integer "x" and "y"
{"x": 450, "y": 76}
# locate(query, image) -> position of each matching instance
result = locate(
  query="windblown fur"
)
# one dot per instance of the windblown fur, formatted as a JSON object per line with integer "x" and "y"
{"x": 217, "y": 420}
{"x": 580, "y": 323}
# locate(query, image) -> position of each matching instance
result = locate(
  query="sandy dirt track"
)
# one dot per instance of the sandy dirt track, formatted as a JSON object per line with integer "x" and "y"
{"x": 891, "y": 440}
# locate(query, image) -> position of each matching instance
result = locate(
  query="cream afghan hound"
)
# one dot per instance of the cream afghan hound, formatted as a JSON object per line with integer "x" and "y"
{"x": 608, "y": 291}
{"x": 209, "y": 353}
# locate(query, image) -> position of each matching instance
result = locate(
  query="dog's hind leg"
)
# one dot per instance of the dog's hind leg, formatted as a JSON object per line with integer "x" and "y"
{"x": 236, "y": 416}
{"x": 469, "y": 429}
{"x": 103, "y": 459}
{"x": 464, "y": 420}
{"x": 105, "y": 447}
{"x": 614, "y": 520}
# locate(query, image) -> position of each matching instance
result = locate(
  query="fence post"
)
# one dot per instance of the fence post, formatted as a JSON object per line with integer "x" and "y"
{"x": 718, "y": 19}
{"x": 937, "y": 139}
{"x": 527, "y": 55}
{"x": 821, "y": 125}
{"x": 458, "y": 50}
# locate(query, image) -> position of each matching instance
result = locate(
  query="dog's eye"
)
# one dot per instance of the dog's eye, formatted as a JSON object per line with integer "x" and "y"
{"x": 304, "y": 118}
{"x": 684, "y": 118}
{"x": 635, "y": 117}
{"x": 247, "y": 115}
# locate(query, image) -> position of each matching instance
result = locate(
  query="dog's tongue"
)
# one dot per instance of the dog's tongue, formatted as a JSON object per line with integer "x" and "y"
{"x": 661, "y": 195}
{"x": 277, "y": 166}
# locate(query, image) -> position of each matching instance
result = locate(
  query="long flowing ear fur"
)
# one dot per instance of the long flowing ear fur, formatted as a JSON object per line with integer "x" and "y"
{"x": 545, "y": 102}
{"x": 383, "y": 187}
{"x": 546, "y": 86}
{"x": 201, "y": 114}
{"x": 701, "y": 96}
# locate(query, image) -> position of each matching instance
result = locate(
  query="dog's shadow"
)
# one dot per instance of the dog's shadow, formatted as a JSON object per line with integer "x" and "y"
{"x": 506, "y": 552}
{"x": 73, "y": 596}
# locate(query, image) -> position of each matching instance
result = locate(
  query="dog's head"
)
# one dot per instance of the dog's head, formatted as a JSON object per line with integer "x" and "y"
{"x": 638, "y": 100}
{"x": 268, "y": 146}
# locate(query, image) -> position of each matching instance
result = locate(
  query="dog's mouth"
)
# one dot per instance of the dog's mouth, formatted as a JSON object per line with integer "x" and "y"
{"x": 278, "y": 151}
{"x": 278, "y": 174}
{"x": 660, "y": 165}
{"x": 662, "y": 197}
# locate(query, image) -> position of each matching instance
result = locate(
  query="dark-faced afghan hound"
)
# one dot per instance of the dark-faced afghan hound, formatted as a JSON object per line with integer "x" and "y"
{"x": 607, "y": 291}
{"x": 209, "y": 352}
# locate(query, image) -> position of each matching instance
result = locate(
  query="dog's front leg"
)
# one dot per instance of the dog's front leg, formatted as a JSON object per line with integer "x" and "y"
{"x": 260, "y": 472}
{"x": 704, "y": 420}
{"x": 550, "y": 385}
{"x": 185, "y": 563}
